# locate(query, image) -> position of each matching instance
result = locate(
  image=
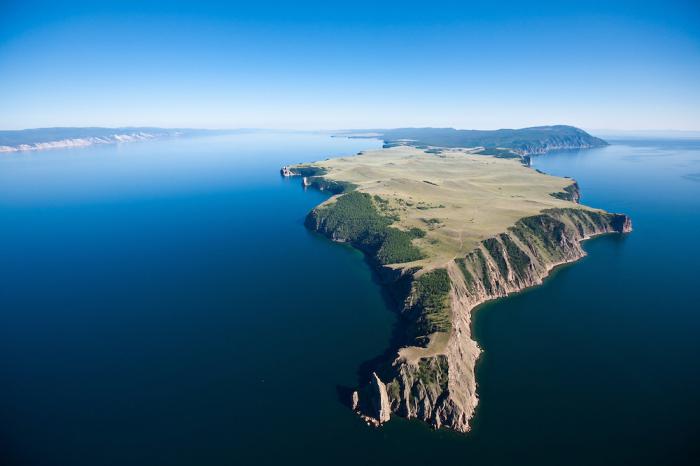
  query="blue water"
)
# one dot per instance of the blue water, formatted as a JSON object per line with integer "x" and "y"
{"x": 162, "y": 303}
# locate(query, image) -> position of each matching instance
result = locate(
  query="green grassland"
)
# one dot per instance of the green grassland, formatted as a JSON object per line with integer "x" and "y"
{"x": 456, "y": 199}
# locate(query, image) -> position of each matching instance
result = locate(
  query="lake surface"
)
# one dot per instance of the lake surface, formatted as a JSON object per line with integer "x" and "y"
{"x": 162, "y": 303}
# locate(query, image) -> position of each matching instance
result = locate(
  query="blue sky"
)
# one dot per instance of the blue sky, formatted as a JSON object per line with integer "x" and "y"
{"x": 305, "y": 65}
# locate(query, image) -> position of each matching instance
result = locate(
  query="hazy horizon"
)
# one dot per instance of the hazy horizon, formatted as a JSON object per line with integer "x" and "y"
{"x": 600, "y": 132}
{"x": 311, "y": 66}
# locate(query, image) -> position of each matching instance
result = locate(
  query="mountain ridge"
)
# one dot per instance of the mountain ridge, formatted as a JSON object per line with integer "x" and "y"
{"x": 522, "y": 141}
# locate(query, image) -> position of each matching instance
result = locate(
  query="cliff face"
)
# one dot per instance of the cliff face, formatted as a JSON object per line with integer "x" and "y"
{"x": 446, "y": 232}
{"x": 441, "y": 388}
{"x": 570, "y": 193}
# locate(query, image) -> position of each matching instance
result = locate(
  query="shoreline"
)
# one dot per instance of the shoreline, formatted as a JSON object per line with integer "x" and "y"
{"x": 415, "y": 379}
{"x": 80, "y": 142}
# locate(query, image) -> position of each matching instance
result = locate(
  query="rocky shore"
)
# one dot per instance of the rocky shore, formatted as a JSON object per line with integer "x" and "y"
{"x": 428, "y": 374}
{"x": 441, "y": 389}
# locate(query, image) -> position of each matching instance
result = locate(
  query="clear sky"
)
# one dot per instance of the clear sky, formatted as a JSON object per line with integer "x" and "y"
{"x": 326, "y": 65}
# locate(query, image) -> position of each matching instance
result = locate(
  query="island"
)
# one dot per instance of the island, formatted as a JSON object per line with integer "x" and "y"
{"x": 446, "y": 229}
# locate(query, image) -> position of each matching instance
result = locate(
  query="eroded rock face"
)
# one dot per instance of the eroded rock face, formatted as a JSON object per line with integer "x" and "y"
{"x": 382, "y": 410}
{"x": 373, "y": 406}
{"x": 441, "y": 389}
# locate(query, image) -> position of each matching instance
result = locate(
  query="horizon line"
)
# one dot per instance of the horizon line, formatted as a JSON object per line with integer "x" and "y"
{"x": 301, "y": 130}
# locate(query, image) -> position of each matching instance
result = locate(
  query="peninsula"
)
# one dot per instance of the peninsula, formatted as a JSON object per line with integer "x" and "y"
{"x": 446, "y": 229}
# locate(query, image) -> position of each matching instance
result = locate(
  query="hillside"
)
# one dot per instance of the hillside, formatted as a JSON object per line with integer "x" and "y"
{"x": 525, "y": 141}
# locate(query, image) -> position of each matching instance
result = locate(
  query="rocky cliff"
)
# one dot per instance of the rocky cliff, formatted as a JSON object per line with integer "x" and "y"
{"x": 446, "y": 232}
{"x": 440, "y": 388}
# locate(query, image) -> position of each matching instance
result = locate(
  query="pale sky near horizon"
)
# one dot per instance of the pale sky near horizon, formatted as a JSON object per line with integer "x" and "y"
{"x": 596, "y": 65}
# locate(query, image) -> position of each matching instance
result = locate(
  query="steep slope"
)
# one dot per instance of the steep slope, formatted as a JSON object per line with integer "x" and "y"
{"x": 441, "y": 389}
{"x": 497, "y": 228}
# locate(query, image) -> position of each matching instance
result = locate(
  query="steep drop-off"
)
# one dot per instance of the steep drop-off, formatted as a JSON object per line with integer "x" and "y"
{"x": 441, "y": 389}
{"x": 428, "y": 373}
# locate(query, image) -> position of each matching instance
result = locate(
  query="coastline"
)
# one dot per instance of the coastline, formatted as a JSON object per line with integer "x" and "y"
{"x": 430, "y": 374}
{"x": 80, "y": 142}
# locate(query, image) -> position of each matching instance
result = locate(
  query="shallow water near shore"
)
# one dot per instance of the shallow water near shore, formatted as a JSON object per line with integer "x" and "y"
{"x": 162, "y": 303}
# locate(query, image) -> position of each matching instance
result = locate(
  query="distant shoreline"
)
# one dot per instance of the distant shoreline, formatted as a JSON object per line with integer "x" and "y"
{"x": 80, "y": 142}
{"x": 75, "y": 137}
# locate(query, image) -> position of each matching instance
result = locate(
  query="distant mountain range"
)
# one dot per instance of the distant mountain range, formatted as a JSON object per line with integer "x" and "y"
{"x": 50, "y": 138}
{"x": 525, "y": 141}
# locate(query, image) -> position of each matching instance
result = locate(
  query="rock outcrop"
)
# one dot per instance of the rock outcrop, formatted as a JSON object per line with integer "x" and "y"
{"x": 375, "y": 409}
{"x": 382, "y": 410}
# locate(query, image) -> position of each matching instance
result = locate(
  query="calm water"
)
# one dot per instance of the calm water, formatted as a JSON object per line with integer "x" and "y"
{"x": 162, "y": 303}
